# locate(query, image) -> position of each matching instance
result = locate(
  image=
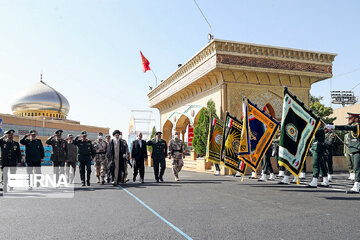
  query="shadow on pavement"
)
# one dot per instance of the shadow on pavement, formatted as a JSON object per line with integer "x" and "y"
{"x": 343, "y": 198}
{"x": 321, "y": 190}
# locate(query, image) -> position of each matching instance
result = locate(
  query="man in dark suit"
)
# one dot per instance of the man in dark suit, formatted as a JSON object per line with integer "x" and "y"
{"x": 138, "y": 155}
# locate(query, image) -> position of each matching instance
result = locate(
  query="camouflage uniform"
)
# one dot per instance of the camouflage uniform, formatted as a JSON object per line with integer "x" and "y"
{"x": 100, "y": 159}
{"x": 176, "y": 151}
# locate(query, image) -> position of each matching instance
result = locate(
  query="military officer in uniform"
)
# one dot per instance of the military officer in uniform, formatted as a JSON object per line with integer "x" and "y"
{"x": 10, "y": 155}
{"x": 71, "y": 158}
{"x": 34, "y": 153}
{"x": 85, "y": 155}
{"x": 177, "y": 153}
{"x": 348, "y": 157}
{"x": 158, "y": 155}
{"x": 328, "y": 153}
{"x": 317, "y": 151}
{"x": 354, "y": 146}
{"x": 59, "y": 152}
{"x": 100, "y": 158}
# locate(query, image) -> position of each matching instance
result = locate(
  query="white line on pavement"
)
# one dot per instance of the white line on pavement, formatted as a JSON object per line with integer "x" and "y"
{"x": 156, "y": 214}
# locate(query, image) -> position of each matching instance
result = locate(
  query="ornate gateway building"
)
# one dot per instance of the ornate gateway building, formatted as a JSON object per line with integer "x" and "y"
{"x": 225, "y": 71}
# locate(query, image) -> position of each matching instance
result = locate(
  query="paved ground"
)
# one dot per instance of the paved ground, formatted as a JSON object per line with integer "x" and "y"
{"x": 201, "y": 206}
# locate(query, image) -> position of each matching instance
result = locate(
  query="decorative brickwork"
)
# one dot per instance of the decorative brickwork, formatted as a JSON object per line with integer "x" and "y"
{"x": 273, "y": 64}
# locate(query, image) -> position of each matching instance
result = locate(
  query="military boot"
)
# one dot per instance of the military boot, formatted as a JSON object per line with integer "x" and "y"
{"x": 352, "y": 176}
{"x": 325, "y": 182}
{"x": 329, "y": 178}
{"x": 313, "y": 183}
{"x": 263, "y": 177}
{"x": 285, "y": 180}
{"x": 355, "y": 189}
{"x": 102, "y": 180}
{"x": 281, "y": 174}
{"x": 272, "y": 177}
{"x": 253, "y": 175}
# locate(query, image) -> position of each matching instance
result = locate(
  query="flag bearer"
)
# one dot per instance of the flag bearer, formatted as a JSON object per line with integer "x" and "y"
{"x": 317, "y": 150}
{"x": 354, "y": 146}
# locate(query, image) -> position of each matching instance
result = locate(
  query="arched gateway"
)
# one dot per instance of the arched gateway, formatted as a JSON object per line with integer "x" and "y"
{"x": 225, "y": 71}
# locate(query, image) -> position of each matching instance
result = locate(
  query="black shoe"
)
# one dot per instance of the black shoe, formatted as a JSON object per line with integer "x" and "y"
{"x": 103, "y": 182}
{"x": 309, "y": 186}
{"x": 161, "y": 179}
{"x": 88, "y": 183}
{"x": 142, "y": 180}
{"x": 134, "y": 179}
{"x": 83, "y": 184}
{"x": 157, "y": 180}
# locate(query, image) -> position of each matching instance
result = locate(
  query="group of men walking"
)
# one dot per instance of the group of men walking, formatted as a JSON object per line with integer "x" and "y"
{"x": 111, "y": 156}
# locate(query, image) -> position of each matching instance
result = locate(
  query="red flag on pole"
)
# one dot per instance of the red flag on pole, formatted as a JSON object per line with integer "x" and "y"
{"x": 145, "y": 63}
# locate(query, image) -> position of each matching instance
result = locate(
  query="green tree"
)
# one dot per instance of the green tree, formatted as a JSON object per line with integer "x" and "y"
{"x": 201, "y": 130}
{"x": 319, "y": 109}
{"x": 153, "y": 133}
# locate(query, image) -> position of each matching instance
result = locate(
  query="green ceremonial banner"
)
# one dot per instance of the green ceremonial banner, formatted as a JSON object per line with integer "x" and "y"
{"x": 216, "y": 132}
{"x": 298, "y": 127}
{"x": 231, "y": 143}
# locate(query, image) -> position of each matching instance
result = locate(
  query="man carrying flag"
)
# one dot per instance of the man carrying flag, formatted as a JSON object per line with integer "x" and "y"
{"x": 354, "y": 146}
{"x": 298, "y": 127}
{"x": 317, "y": 151}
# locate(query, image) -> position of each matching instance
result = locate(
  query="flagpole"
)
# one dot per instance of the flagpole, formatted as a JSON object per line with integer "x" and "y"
{"x": 155, "y": 77}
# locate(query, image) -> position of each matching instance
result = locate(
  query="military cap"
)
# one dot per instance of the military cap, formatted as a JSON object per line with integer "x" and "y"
{"x": 11, "y": 131}
{"x": 57, "y": 132}
{"x": 83, "y": 133}
{"x": 158, "y": 133}
{"x": 353, "y": 115}
{"x": 70, "y": 136}
{"x": 116, "y": 132}
{"x": 32, "y": 131}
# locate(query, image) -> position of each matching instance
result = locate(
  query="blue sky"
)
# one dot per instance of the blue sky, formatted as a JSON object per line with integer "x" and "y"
{"x": 89, "y": 50}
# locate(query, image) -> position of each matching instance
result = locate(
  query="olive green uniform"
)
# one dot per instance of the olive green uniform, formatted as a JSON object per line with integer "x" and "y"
{"x": 34, "y": 151}
{"x": 85, "y": 154}
{"x": 158, "y": 155}
{"x": 347, "y": 153}
{"x": 354, "y": 146}
{"x": 317, "y": 150}
{"x": 10, "y": 157}
{"x": 59, "y": 155}
{"x": 328, "y": 151}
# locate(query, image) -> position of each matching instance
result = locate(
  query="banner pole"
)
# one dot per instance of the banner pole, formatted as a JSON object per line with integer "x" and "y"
{"x": 155, "y": 77}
